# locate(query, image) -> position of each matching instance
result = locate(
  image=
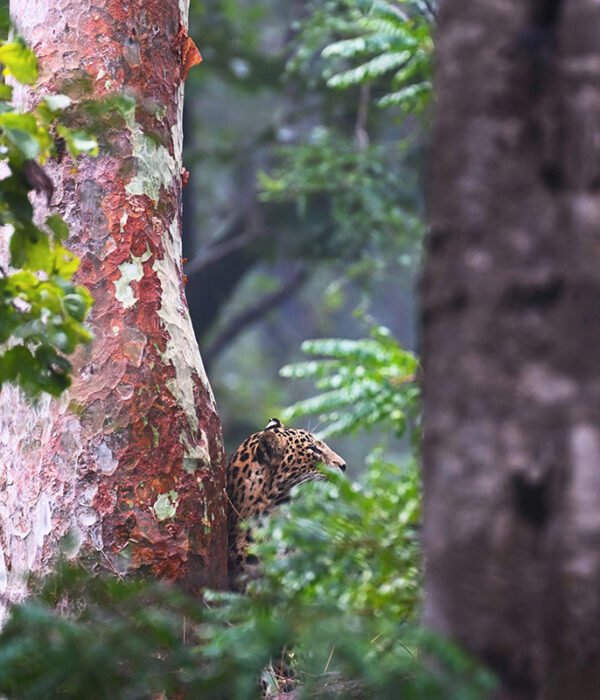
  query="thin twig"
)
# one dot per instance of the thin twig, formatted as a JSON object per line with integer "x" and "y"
{"x": 329, "y": 660}
{"x": 233, "y": 508}
{"x": 112, "y": 567}
{"x": 219, "y": 250}
{"x": 253, "y": 313}
{"x": 360, "y": 128}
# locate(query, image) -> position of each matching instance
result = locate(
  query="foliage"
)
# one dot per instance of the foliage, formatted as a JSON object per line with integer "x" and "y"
{"x": 350, "y": 178}
{"x": 42, "y": 310}
{"x": 387, "y": 43}
{"x": 351, "y": 201}
{"x": 394, "y": 38}
{"x": 351, "y": 546}
{"x": 363, "y": 383}
{"x": 343, "y": 593}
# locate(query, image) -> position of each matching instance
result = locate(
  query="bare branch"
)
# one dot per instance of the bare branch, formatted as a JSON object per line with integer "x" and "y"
{"x": 219, "y": 250}
{"x": 360, "y": 128}
{"x": 253, "y": 313}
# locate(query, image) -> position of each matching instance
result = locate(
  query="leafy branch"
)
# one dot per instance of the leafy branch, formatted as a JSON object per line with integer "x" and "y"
{"x": 393, "y": 41}
{"x": 42, "y": 311}
{"x": 362, "y": 383}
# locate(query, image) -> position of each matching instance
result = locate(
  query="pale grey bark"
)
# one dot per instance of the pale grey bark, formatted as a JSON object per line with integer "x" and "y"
{"x": 511, "y": 343}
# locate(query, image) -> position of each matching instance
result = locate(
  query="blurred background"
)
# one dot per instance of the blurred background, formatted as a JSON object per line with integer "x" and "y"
{"x": 305, "y": 129}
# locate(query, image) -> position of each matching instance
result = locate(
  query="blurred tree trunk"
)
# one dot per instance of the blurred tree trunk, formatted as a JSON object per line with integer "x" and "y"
{"x": 511, "y": 341}
{"x": 126, "y": 471}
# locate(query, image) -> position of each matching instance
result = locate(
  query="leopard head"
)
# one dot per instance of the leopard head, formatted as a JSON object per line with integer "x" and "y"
{"x": 262, "y": 473}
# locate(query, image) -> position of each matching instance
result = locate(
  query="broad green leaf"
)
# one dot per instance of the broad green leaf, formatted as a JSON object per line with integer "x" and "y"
{"x": 58, "y": 227}
{"x": 30, "y": 249}
{"x": 17, "y": 360}
{"x": 39, "y": 306}
{"x": 19, "y": 61}
{"x": 6, "y": 94}
{"x": 78, "y": 142}
{"x": 65, "y": 262}
{"x": 15, "y": 206}
{"x": 75, "y": 305}
{"x": 57, "y": 102}
{"x": 4, "y": 19}
{"x": 24, "y": 142}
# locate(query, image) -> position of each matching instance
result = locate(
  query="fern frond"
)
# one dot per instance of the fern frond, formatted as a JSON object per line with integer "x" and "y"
{"x": 407, "y": 96}
{"x": 375, "y": 68}
{"x": 362, "y": 383}
{"x": 388, "y": 40}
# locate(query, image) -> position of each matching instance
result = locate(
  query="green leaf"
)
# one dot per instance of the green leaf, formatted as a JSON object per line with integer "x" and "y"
{"x": 65, "y": 263}
{"x": 374, "y": 68}
{"x": 58, "y": 227}
{"x": 6, "y": 94}
{"x": 78, "y": 142}
{"x": 362, "y": 383}
{"x": 19, "y": 61}
{"x": 54, "y": 370}
{"x": 20, "y": 120}
{"x": 25, "y": 143}
{"x": 16, "y": 361}
{"x": 41, "y": 310}
{"x": 30, "y": 249}
{"x": 76, "y": 306}
{"x": 57, "y": 102}
{"x": 4, "y": 19}
{"x": 15, "y": 207}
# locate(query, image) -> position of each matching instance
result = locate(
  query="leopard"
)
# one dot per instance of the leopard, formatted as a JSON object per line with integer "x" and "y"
{"x": 260, "y": 476}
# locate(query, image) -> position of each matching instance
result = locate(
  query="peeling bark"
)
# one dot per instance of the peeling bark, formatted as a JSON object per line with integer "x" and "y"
{"x": 511, "y": 343}
{"x": 126, "y": 471}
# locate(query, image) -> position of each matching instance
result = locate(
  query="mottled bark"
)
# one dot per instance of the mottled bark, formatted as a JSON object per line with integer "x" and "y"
{"x": 125, "y": 471}
{"x": 511, "y": 343}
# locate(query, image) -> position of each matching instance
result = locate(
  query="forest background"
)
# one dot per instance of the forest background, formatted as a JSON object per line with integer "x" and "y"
{"x": 304, "y": 218}
{"x": 305, "y": 129}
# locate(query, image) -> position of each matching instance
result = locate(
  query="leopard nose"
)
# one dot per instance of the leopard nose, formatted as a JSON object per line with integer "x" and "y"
{"x": 342, "y": 466}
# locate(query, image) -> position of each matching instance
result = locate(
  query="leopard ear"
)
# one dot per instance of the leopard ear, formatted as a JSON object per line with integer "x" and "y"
{"x": 270, "y": 447}
{"x": 273, "y": 423}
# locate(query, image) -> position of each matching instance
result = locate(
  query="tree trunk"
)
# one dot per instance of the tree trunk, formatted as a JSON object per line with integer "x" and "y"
{"x": 511, "y": 343}
{"x": 126, "y": 471}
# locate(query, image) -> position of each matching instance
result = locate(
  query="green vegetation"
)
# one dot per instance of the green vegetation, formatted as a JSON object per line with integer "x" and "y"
{"x": 346, "y": 198}
{"x": 320, "y": 179}
{"x": 340, "y": 586}
{"x": 125, "y": 639}
{"x": 42, "y": 311}
{"x": 341, "y": 563}
{"x": 344, "y": 174}
{"x": 362, "y": 383}
{"x": 385, "y": 44}
{"x": 321, "y": 182}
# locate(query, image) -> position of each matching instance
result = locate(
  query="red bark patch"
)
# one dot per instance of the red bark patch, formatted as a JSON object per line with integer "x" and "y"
{"x": 187, "y": 52}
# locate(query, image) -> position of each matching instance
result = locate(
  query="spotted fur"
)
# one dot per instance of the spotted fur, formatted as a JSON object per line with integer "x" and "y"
{"x": 261, "y": 474}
